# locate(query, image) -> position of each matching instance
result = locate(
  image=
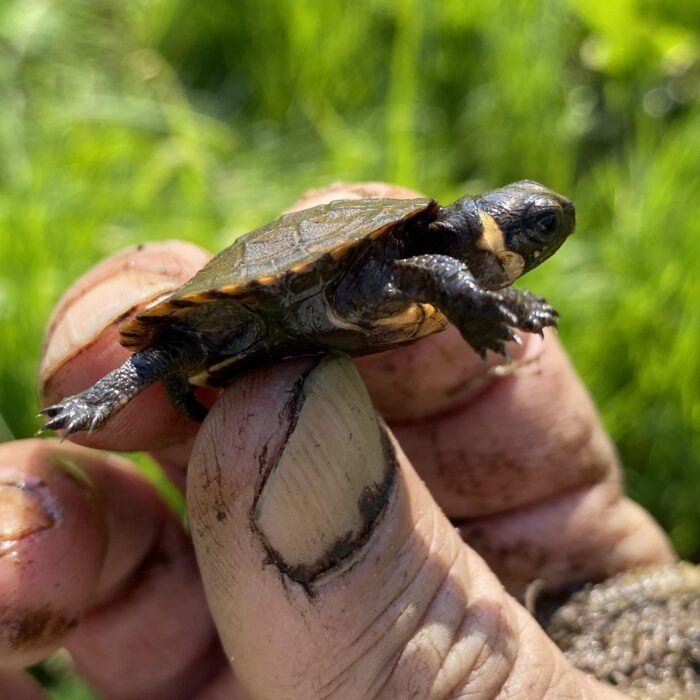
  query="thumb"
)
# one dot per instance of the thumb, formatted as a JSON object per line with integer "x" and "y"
{"x": 329, "y": 569}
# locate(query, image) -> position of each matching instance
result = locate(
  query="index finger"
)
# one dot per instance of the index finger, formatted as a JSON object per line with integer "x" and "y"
{"x": 81, "y": 342}
{"x": 520, "y": 461}
{"x": 487, "y": 440}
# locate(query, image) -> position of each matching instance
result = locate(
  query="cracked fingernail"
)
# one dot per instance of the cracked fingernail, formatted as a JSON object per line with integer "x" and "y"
{"x": 324, "y": 493}
{"x": 21, "y": 512}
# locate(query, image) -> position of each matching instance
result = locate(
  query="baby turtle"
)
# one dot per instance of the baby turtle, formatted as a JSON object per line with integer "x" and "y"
{"x": 360, "y": 276}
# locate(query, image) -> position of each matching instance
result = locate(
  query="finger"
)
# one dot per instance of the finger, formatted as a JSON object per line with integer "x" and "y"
{"x": 19, "y": 686}
{"x": 522, "y": 463}
{"x": 435, "y": 375}
{"x": 225, "y": 686}
{"x": 173, "y": 460}
{"x": 520, "y": 439}
{"x": 81, "y": 343}
{"x": 94, "y": 561}
{"x": 586, "y": 534}
{"x": 155, "y": 639}
{"x": 329, "y": 569}
{"x": 65, "y": 543}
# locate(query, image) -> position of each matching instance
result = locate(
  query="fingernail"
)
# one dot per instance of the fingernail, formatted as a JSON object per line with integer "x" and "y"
{"x": 22, "y": 513}
{"x": 110, "y": 291}
{"x": 323, "y": 495}
{"x": 89, "y": 314}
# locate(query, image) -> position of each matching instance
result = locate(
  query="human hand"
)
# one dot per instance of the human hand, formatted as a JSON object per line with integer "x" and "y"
{"x": 328, "y": 567}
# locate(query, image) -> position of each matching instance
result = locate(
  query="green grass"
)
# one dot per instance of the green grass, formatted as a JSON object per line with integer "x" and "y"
{"x": 126, "y": 122}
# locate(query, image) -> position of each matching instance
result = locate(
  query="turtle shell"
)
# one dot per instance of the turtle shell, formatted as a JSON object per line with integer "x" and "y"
{"x": 292, "y": 244}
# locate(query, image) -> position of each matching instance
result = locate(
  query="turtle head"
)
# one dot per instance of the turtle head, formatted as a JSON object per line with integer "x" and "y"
{"x": 504, "y": 233}
{"x": 523, "y": 224}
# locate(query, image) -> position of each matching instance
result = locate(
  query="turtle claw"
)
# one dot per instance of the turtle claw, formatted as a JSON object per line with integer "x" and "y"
{"x": 98, "y": 420}
{"x": 72, "y": 414}
{"x": 533, "y": 313}
{"x": 54, "y": 424}
{"x": 50, "y": 411}
{"x": 503, "y": 313}
{"x": 72, "y": 427}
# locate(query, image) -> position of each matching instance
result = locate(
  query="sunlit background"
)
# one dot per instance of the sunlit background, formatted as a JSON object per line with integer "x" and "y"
{"x": 122, "y": 122}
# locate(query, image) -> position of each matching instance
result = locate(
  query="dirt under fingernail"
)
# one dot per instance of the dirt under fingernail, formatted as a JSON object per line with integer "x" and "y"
{"x": 324, "y": 492}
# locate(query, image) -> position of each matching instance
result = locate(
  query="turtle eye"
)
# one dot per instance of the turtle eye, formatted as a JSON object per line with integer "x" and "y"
{"x": 546, "y": 224}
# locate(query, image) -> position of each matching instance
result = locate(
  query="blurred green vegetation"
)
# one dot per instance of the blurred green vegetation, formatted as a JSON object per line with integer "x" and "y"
{"x": 126, "y": 122}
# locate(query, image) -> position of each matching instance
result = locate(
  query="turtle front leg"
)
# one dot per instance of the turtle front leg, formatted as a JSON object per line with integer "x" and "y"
{"x": 91, "y": 408}
{"x": 486, "y": 318}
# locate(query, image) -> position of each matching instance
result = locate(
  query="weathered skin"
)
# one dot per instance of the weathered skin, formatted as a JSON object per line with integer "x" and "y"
{"x": 359, "y": 276}
{"x": 638, "y": 631}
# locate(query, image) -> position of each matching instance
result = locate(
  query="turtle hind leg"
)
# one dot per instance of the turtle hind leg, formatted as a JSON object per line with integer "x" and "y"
{"x": 92, "y": 408}
{"x": 182, "y": 395}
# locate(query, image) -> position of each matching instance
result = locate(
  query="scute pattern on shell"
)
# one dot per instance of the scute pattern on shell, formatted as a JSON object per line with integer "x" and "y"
{"x": 288, "y": 245}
